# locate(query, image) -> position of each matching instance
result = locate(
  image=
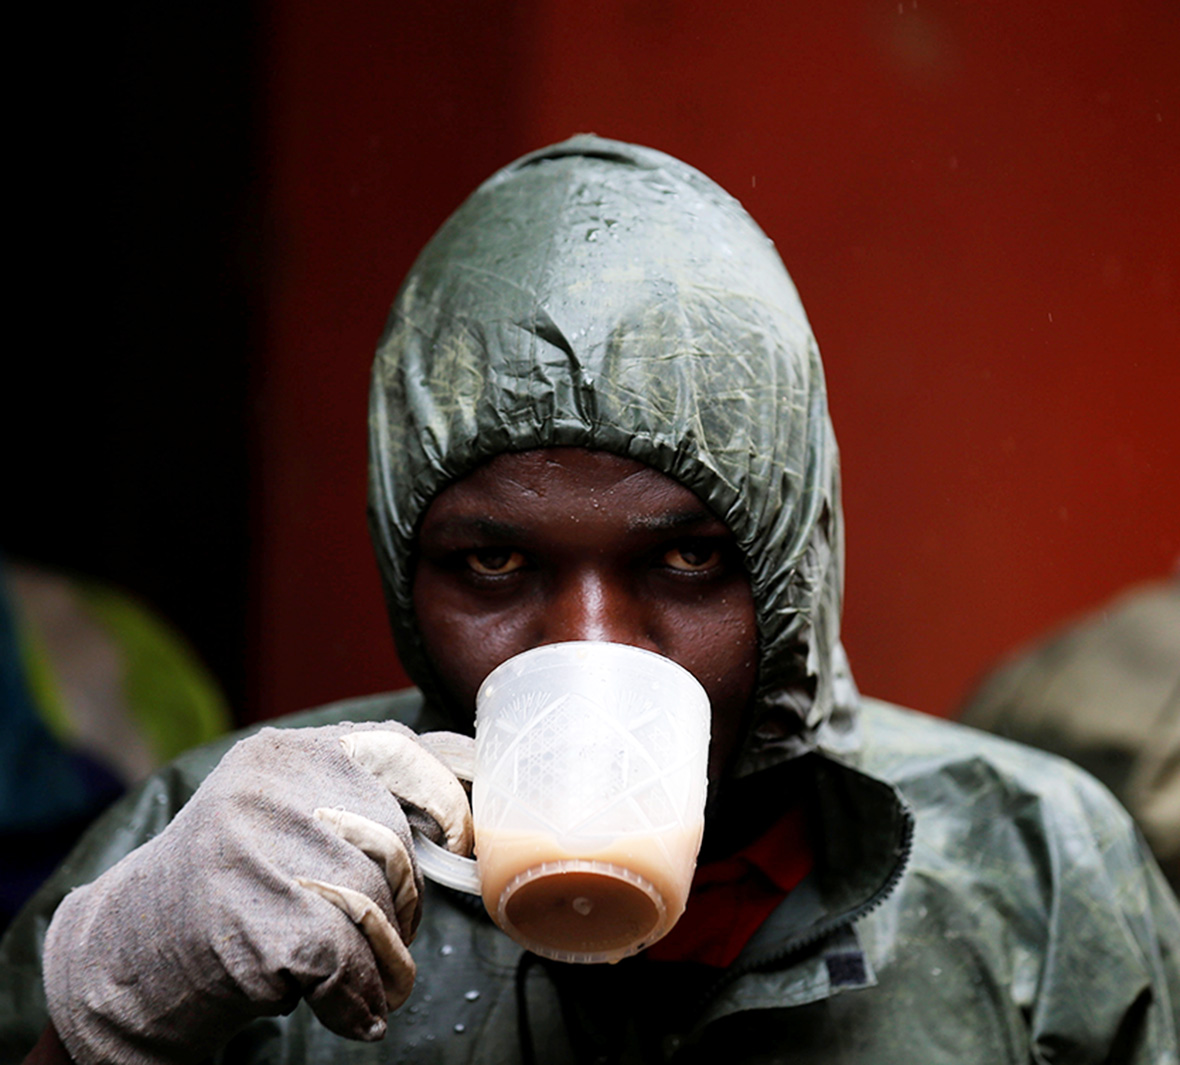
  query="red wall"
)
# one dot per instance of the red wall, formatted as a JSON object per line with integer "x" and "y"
{"x": 977, "y": 201}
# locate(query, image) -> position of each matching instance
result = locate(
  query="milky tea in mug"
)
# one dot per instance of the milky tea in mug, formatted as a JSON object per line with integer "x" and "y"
{"x": 588, "y": 797}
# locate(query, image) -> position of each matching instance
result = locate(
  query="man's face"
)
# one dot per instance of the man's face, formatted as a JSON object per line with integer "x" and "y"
{"x": 558, "y": 544}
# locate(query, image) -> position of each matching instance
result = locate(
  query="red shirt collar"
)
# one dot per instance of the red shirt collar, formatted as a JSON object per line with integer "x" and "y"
{"x": 731, "y": 897}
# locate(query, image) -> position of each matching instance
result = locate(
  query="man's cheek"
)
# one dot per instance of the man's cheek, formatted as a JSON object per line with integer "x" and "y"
{"x": 480, "y": 645}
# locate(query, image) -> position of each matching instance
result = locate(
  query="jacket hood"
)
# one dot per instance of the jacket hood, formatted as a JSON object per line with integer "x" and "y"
{"x": 602, "y": 295}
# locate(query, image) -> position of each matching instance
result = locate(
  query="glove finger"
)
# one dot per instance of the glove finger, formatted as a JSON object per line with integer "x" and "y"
{"x": 453, "y": 749}
{"x": 394, "y": 963}
{"x": 413, "y": 775}
{"x": 385, "y": 847}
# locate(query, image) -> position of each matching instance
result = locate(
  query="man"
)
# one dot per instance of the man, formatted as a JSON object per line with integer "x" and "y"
{"x": 598, "y": 413}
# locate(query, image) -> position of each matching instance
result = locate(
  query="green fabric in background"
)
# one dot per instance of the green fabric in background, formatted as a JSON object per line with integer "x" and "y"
{"x": 175, "y": 700}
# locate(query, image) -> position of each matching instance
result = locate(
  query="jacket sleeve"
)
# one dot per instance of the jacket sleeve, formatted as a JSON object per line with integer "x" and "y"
{"x": 1110, "y": 977}
{"x": 1163, "y": 1024}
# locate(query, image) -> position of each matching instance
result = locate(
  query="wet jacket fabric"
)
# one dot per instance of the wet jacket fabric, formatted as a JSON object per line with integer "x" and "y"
{"x": 1104, "y": 691}
{"x": 1007, "y": 913}
{"x": 971, "y": 900}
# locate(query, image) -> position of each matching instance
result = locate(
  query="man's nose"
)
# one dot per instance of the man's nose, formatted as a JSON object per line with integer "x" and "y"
{"x": 596, "y": 606}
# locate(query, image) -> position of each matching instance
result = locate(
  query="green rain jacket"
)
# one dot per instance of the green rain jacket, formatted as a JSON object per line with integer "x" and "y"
{"x": 972, "y": 901}
{"x": 1058, "y": 694}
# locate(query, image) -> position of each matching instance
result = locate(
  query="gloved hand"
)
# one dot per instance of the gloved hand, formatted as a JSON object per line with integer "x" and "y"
{"x": 288, "y": 875}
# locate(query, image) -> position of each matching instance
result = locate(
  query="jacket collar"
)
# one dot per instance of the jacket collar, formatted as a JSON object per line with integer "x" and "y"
{"x": 809, "y": 948}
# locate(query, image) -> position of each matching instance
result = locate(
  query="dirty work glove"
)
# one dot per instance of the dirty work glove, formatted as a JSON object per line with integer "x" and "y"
{"x": 288, "y": 875}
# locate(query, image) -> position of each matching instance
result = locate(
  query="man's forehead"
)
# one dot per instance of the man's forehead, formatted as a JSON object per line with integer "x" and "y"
{"x": 540, "y": 468}
{"x": 571, "y": 478}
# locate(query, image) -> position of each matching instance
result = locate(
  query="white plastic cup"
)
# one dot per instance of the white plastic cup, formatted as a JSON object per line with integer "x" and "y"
{"x": 588, "y": 798}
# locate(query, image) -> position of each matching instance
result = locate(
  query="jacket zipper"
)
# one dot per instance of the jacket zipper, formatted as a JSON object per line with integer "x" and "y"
{"x": 822, "y": 929}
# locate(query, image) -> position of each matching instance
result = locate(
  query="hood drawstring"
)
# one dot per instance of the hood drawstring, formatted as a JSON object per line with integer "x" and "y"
{"x": 528, "y": 1053}
{"x": 586, "y": 1046}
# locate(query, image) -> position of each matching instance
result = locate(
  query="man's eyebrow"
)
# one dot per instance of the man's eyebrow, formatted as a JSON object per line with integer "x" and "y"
{"x": 674, "y": 521}
{"x": 462, "y": 525}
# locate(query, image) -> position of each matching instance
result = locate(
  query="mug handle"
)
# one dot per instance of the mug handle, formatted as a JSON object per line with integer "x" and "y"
{"x": 437, "y": 863}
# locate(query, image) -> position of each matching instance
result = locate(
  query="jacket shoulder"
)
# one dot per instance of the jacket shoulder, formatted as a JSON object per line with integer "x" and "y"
{"x": 1007, "y": 820}
{"x": 403, "y": 706}
{"x": 1032, "y": 861}
{"x": 928, "y": 757}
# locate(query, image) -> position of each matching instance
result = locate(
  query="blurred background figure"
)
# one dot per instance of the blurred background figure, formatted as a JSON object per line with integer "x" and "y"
{"x": 1104, "y": 691}
{"x": 96, "y": 690}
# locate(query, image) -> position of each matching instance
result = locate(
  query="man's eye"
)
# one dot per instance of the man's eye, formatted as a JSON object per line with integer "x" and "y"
{"x": 692, "y": 556}
{"x": 494, "y": 561}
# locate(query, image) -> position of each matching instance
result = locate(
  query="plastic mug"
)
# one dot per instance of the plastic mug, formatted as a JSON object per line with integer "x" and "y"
{"x": 588, "y": 796}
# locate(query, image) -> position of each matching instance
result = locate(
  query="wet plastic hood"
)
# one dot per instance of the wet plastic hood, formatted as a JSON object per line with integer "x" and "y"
{"x": 601, "y": 295}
